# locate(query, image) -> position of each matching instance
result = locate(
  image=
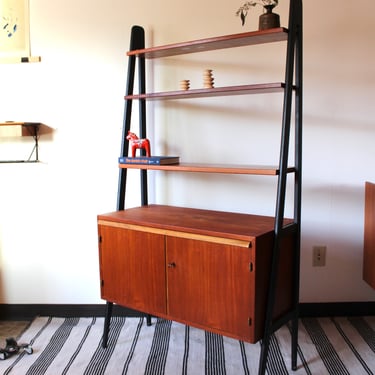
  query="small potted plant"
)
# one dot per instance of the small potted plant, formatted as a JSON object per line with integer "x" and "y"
{"x": 268, "y": 20}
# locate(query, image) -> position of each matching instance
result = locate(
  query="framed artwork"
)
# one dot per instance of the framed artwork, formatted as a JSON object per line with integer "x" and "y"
{"x": 14, "y": 31}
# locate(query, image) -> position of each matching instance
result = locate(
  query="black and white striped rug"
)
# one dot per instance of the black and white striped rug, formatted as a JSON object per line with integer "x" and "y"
{"x": 73, "y": 346}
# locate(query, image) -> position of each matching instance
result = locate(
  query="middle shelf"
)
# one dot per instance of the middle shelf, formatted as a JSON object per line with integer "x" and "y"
{"x": 260, "y": 88}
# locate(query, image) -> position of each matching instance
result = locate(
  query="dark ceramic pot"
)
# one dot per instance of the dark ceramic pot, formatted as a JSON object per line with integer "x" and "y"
{"x": 269, "y": 20}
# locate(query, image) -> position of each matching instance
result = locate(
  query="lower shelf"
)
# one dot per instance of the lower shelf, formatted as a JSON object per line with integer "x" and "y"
{"x": 264, "y": 170}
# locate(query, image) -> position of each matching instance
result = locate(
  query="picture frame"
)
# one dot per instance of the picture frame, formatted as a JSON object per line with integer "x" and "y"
{"x": 15, "y": 31}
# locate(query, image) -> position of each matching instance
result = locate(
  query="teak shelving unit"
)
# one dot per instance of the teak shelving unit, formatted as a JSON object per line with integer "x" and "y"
{"x": 149, "y": 254}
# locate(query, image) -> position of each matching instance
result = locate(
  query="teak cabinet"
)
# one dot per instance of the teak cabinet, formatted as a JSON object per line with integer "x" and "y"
{"x": 234, "y": 274}
{"x": 181, "y": 264}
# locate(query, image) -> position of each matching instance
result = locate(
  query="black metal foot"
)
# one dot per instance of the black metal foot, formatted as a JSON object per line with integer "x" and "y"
{"x": 107, "y": 322}
{"x": 264, "y": 355}
{"x": 148, "y": 320}
{"x": 294, "y": 342}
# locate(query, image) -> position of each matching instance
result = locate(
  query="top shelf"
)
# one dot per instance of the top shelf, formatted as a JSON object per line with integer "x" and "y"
{"x": 214, "y": 43}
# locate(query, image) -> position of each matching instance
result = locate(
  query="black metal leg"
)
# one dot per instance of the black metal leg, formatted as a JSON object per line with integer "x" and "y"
{"x": 148, "y": 320}
{"x": 264, "y": 355}
{"x": 107, "y": 322}
{"x": 294, "y": 342}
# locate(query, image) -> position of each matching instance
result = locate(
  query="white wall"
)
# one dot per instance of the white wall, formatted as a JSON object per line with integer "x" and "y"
{"x": 48, "y": 240}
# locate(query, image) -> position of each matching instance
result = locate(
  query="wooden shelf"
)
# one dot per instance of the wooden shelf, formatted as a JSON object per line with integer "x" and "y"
{"x": 216, "y": 91}
{"x": 212, "y": 168}
{"x": 28, "y": 128}
{"x": 210, "y": 44}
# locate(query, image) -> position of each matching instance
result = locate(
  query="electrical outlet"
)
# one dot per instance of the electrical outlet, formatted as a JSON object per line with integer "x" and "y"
{"x": 319, "y": 256}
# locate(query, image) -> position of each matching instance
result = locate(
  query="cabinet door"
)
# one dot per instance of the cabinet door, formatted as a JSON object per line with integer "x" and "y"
{"x": 132, "y": 269}
{"x": 210, "y": 285}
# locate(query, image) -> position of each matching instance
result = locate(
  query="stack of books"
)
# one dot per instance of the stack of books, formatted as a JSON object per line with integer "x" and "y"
{"x": 154, "y": 160}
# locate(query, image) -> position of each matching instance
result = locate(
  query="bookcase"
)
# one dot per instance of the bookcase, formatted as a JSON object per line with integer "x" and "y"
{"x": 235, "y": 274}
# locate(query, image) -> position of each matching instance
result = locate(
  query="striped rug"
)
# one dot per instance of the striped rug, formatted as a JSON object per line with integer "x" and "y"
{"x": 73, "y": 346}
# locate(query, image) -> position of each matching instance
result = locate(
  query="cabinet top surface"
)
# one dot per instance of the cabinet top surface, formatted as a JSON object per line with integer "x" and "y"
{"x": 213, "y": 43}
{"x": 192, "y": 220}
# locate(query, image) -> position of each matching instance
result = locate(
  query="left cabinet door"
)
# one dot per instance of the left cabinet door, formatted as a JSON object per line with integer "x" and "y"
{"x": 132, "y": 269}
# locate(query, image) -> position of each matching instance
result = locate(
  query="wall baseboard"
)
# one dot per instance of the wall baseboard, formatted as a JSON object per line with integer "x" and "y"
{"x": 30, "y": 311}
{"x": 337, "y": 309}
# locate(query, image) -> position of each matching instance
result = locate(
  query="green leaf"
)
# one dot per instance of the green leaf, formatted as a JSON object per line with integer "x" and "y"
{"x": 243, "y": 18}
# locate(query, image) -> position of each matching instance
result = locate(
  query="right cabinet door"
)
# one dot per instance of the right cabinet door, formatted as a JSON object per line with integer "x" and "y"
{"x": 210, "y": 285}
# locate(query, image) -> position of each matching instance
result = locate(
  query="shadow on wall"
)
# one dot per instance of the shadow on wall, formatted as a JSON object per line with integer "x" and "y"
{"x": 344, "y": 203}
{"x": 333, "y": 216}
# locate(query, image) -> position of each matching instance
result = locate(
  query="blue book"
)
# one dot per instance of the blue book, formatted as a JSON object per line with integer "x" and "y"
{"x": 154, "y": 160}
